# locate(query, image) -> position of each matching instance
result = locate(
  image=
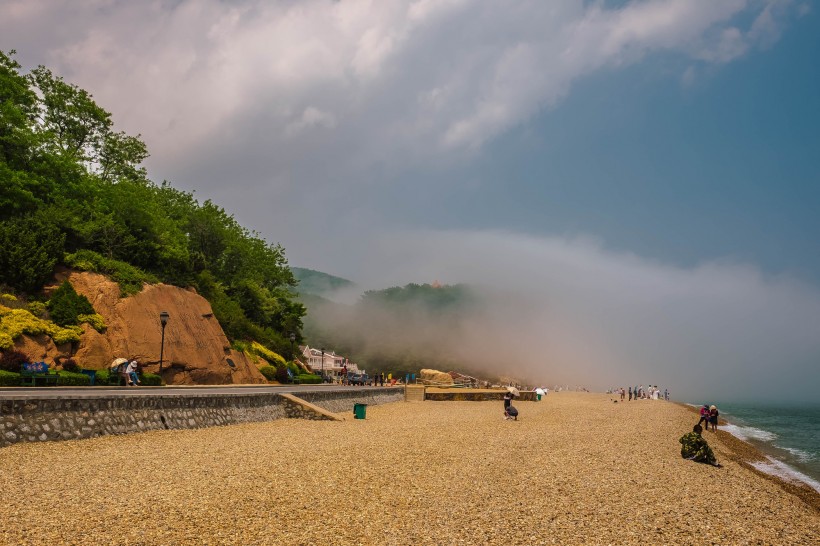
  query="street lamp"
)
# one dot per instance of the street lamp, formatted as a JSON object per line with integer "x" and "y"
{"x": 323, "y": 364}
{"x": 163, "y": 319}
{"x": 292, "y": 351}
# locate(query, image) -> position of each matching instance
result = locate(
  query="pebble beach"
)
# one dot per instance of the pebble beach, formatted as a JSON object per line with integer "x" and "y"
{"x": 576, "y": 468}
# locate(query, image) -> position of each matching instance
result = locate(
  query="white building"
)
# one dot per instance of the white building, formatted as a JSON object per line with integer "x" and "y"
{"x": 333, "y": 365}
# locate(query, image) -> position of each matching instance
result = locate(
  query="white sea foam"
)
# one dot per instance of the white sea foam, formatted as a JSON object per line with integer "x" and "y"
{"x": 785, "y": 472}
{"x": 799, "y": 454}
{"x": 749, "y": 433}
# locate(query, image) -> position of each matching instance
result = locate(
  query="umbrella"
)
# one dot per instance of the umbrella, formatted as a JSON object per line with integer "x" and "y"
{"x": 540, "y": 391}
{"x": 117, "y": 362}
{"x": 514, "y": 391}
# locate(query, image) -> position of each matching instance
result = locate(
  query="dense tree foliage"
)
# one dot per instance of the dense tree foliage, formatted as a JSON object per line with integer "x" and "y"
{"x": 72, "y": 191}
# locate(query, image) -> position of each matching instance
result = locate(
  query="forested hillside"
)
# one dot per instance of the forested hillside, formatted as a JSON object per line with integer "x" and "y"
{"x": 318, "y": 283}
{"x": 73, "y": 192}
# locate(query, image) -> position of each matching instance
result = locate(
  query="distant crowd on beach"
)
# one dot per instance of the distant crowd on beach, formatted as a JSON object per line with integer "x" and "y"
{"x": 652, "y": 392}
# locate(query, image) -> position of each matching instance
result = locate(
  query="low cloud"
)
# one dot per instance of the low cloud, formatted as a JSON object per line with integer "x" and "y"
{"x": 568, "y": 311}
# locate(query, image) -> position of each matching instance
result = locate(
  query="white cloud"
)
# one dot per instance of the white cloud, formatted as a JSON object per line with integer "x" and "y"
{"x": 415, "y": 80}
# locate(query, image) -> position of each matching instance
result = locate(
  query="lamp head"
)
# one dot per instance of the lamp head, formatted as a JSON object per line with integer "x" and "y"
{"x": 163, "y": 318}
{"x": 292, "y": 337}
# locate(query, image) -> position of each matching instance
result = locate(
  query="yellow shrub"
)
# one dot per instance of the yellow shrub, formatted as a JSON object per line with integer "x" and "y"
{"x": 8, "y": 297}
{"x": 65, "y": 335}
{"x": 266, "y": 353}
{"x": 5, "y": 341}
{"x": 95, "y": 321}
{"x": 37, "y": 308}
{"x": 16, "y": 322}
{"x": 19, "y": 322}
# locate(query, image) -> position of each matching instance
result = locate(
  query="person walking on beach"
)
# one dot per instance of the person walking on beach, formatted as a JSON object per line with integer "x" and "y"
{"x": 630, "y": 394}
{"x": 713, "y": 418}
{"x": 695, "y": 448}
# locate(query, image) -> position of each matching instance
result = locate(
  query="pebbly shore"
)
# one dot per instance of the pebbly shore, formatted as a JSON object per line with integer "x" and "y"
{"x": 575, "y": 468}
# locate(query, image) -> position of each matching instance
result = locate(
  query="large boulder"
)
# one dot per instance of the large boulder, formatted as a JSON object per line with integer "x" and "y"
{"x": 196, "y": 350}
{"x": 435, "y": 377}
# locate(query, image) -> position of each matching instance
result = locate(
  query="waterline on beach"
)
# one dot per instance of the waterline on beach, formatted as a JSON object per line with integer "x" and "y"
{"x": 785, "y": 472}
{"x": 789, "y": 438}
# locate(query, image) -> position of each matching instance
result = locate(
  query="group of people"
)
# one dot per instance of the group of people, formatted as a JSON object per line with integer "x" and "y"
{"x": 649, "y": 393}
{"x": 693, "y": 446}
{"x": 709, "y": 415}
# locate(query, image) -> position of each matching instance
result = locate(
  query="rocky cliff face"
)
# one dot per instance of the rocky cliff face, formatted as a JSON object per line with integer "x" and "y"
{"x": 196, "y": 348}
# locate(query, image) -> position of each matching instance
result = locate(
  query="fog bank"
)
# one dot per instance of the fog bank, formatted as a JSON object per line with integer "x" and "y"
{"x": 566, "y": 310}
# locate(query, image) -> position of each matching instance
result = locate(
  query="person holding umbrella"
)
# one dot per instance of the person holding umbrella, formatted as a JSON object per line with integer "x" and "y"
{"x": 509, "y": 411}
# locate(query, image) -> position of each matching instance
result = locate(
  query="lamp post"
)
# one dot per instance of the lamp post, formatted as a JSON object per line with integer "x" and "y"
{"x": 163, "y": 320}
{"x": 323, "y": 364}
{"x": 292, "y": 340}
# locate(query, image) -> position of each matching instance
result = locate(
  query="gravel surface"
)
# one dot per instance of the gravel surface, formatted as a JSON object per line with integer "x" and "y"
{"x": 574, "y": 469}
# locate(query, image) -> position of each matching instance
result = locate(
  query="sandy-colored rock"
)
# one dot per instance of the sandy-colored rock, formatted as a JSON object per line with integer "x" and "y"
{"x": 196, "y": 348}
{"x": 42, "y": 349}
{"x": 435, "y": 377}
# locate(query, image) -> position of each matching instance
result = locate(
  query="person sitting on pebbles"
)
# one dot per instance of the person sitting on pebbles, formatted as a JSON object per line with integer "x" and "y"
{"x": 695, "y": 448}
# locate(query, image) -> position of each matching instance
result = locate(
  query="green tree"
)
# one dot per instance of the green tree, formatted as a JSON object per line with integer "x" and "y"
{"x": 66, "y": 305}
{"x": 30, "y": 247}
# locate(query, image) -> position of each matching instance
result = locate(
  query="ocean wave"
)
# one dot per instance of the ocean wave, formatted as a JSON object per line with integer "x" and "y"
{"x": 785, "y": 472}
{"x": 799, "y": 454}
{"x": 750, "y": 433}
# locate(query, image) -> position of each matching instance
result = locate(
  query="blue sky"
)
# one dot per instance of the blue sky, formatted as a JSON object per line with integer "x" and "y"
{"x": 724, "y": 167}
{"x": 634, "y": 184}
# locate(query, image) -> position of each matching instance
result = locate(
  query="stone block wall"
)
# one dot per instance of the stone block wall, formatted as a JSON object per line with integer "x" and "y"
{"x": 51, "y": 419}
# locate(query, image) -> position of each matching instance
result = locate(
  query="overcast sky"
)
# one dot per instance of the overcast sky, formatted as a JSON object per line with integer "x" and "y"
{"x": 645, "y": 169}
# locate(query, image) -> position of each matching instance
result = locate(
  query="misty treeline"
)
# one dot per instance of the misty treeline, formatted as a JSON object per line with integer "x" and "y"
{"x": 73, "y": 192}
{"x": 398, "y": 330}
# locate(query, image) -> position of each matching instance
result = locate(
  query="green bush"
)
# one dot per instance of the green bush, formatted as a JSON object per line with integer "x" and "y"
{"x": 308, "y": 378}
{"x": 9, "y": 379}
{"x": 151, "y": 380}
{"x": 101, "y": 377}
{"x": 66, "y": 305}
{"x": 294, "y": 368}
{"x": 70, "y": 379}
{"x": 269, "y": 372}
{"x": 129, "y": 278}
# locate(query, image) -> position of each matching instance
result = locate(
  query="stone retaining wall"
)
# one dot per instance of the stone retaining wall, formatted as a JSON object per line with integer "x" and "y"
{"x": 39, "y": 420}
{"x": 480, "y": 396}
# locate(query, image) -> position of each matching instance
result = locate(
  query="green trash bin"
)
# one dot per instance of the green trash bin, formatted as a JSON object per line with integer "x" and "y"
{"x": 359, "y": 411}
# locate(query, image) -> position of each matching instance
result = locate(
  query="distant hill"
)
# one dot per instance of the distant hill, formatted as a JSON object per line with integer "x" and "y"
{"x": 318, "y": 283}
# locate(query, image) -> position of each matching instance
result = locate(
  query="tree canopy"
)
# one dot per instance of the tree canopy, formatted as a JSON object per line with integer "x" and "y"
{"x": 74, "y": 192}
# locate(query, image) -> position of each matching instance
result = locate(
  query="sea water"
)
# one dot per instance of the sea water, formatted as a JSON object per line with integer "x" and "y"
{"x": 788, "y": 436}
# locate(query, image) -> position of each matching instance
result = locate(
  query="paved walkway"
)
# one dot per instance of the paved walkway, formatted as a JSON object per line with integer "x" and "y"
{"x": 40, "y": 393}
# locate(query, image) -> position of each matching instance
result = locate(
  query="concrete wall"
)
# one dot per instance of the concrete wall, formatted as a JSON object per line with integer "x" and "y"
{"x": 40, "y": 420}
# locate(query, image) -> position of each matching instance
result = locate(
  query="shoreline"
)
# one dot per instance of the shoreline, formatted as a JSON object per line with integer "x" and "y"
{"x": 748, "y": 456}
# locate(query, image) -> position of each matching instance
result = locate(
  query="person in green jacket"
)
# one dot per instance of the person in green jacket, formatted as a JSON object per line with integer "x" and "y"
{"x": 695, "y": 448}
